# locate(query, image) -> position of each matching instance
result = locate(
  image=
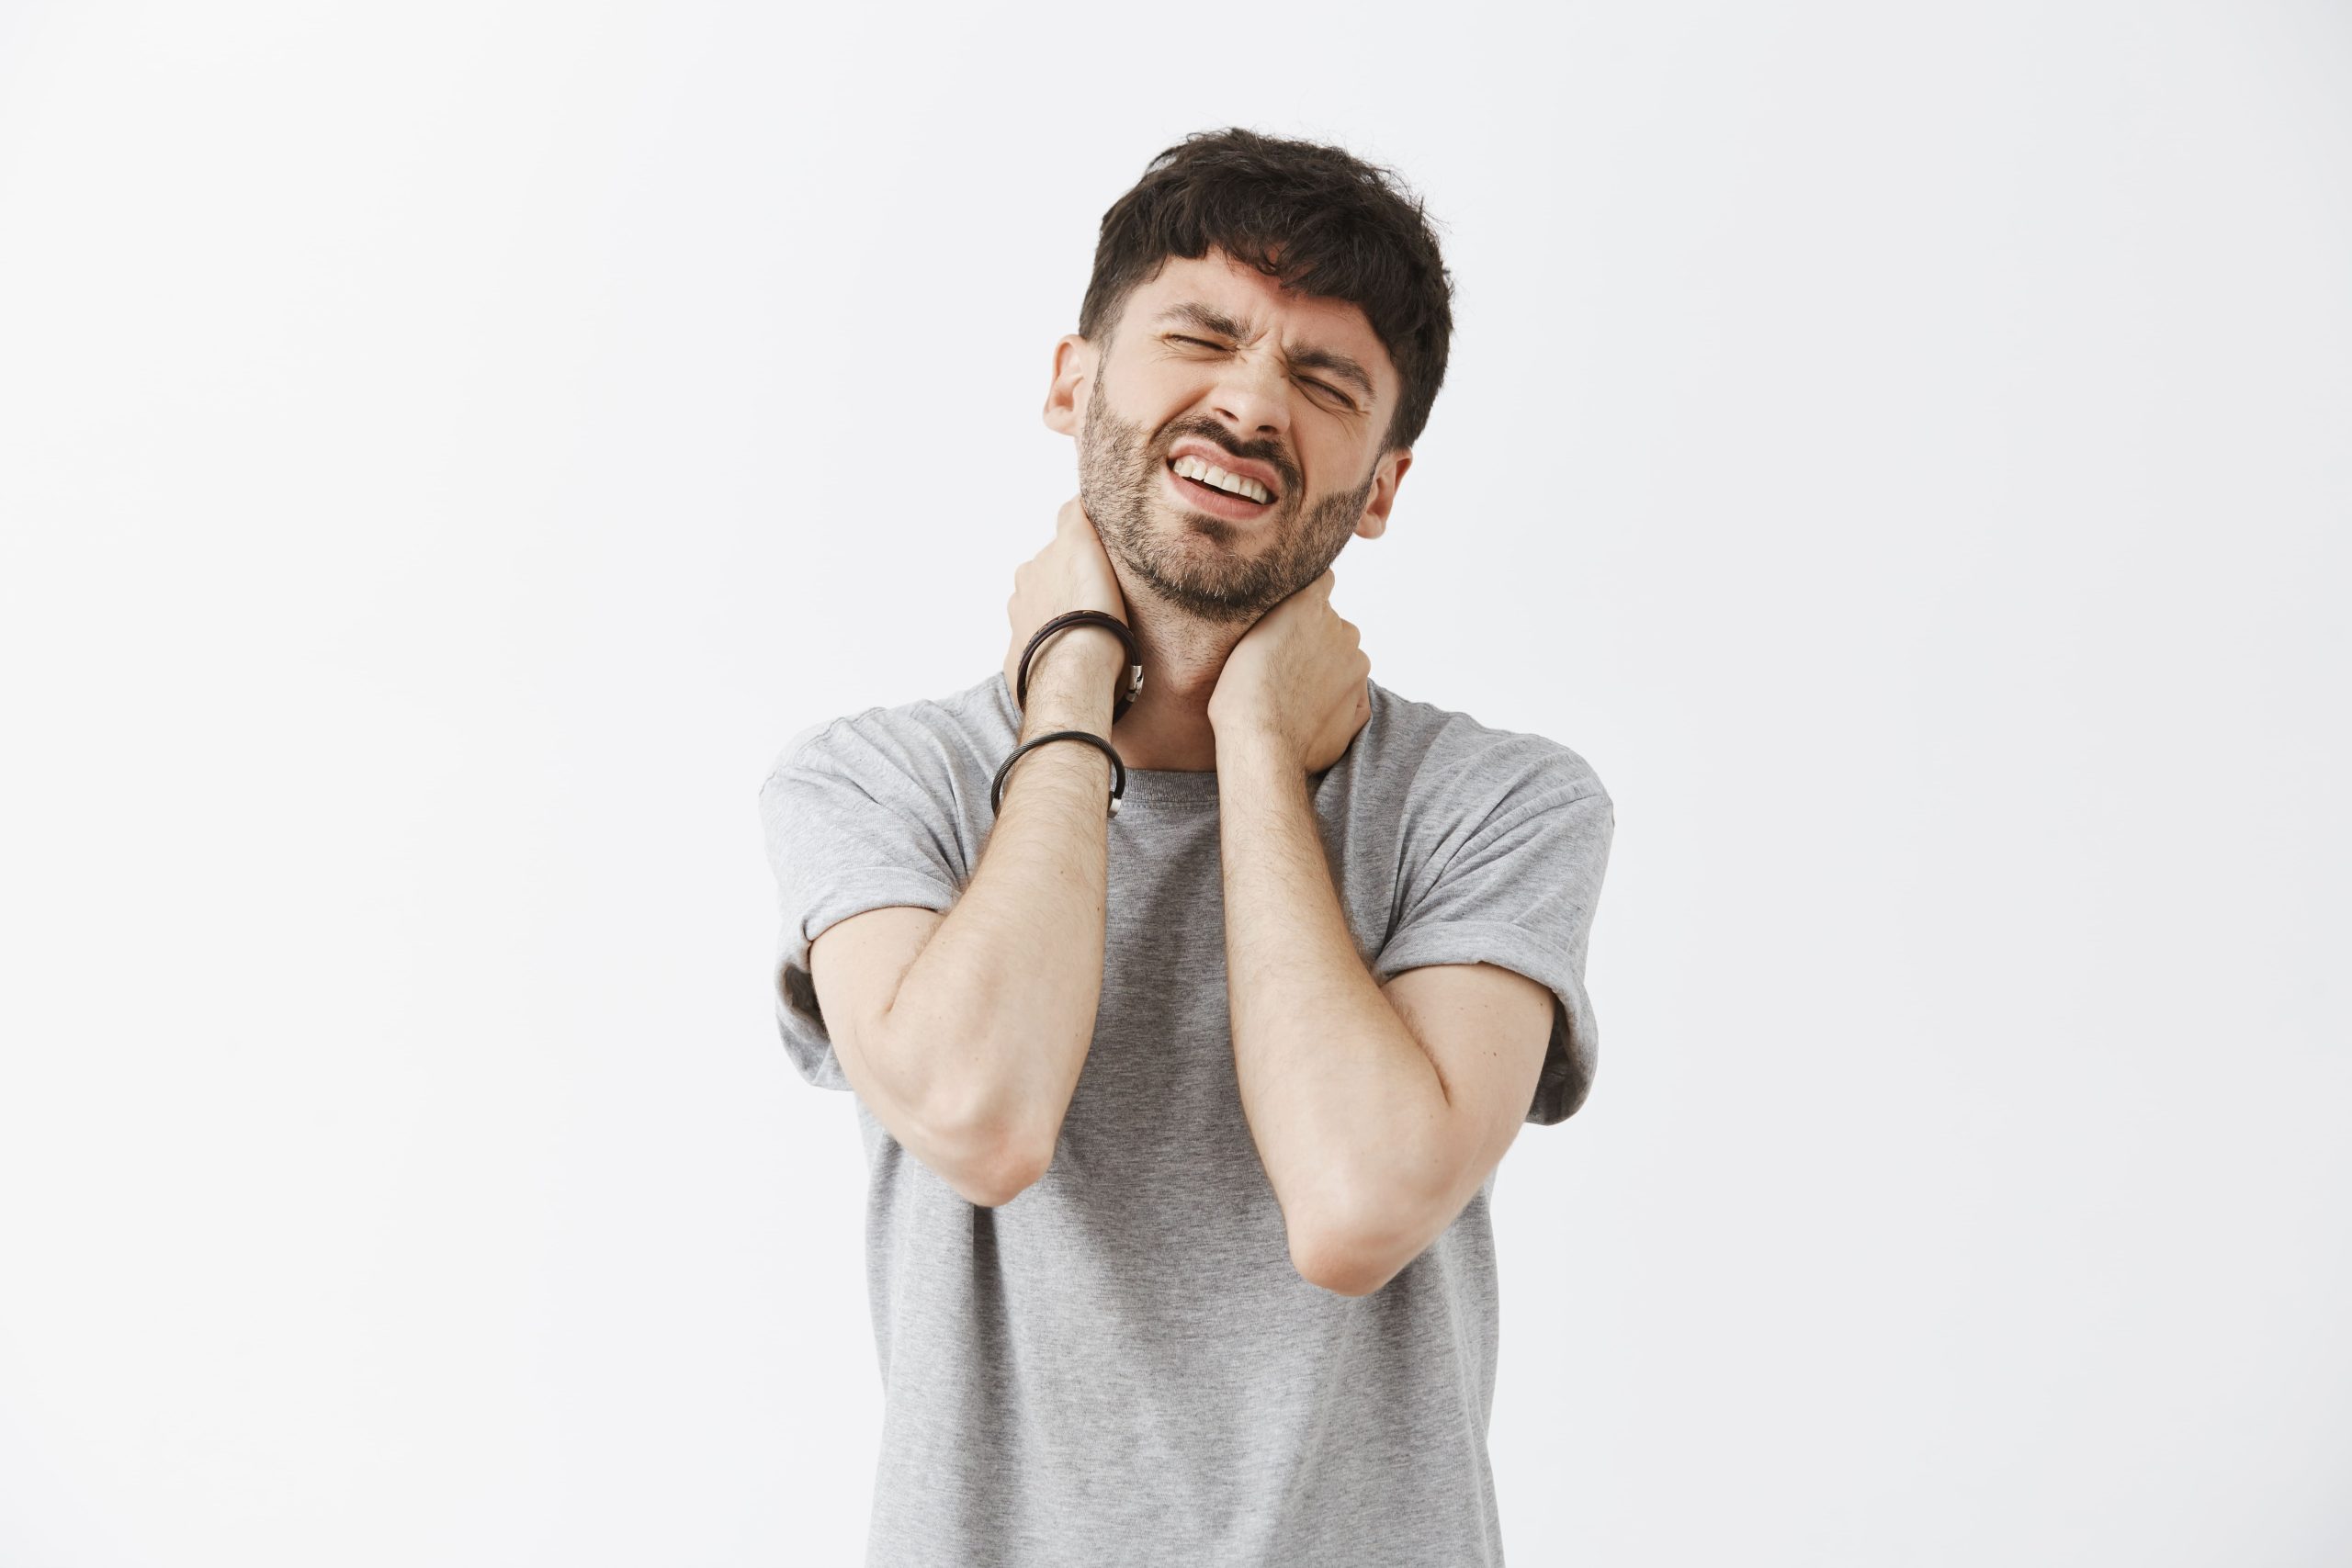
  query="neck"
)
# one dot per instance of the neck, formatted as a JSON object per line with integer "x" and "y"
{"x": 1168, "y": 727}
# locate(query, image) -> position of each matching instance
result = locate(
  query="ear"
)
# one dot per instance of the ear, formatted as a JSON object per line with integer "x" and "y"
{"x": 1074, "y": 360}
{"x": 1387, "y": 474}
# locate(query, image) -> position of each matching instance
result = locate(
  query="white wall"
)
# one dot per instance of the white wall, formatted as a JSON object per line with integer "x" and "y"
{"x": 445, "y": 449}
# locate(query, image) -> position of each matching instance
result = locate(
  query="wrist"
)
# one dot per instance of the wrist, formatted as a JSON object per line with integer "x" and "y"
{"x": 1084, "y": 645}
{"x": 1079, "y": 694}
{"x": 1250, "y": 751}
{"x": 1074, "y": 670}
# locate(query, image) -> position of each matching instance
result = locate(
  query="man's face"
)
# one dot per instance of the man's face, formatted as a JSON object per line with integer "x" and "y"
{"x": 1211, "y": 361}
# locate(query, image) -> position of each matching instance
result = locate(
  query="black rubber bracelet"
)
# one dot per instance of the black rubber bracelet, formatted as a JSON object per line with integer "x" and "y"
{"x": 1118, "y": 768}
{"x": 1090, "y": 618}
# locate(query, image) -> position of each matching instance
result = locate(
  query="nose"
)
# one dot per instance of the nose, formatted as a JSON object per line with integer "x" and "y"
{"x": 1252, "y": 394}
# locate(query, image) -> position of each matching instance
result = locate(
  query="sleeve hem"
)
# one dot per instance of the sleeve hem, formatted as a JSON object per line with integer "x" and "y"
{"x": 800, "y": 1020}
{"x": 1571, "y": 1057}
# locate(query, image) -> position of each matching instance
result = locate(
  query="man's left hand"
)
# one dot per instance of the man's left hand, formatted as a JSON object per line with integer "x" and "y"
{"x": 1295, "y": 683}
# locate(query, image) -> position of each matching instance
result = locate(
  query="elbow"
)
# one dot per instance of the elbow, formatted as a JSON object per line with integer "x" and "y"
{"x": 988, "y": 1165}
{"x": 998, "y": 1181}
{"x": 1357, "y": 1238}
{"x": 985, "y": 1132}
{"x": 1342, "y": 1262}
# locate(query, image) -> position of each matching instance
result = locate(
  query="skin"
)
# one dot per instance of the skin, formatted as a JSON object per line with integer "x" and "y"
{"x": 1239, "y": 639}
{"x": 1377, "y": 1111}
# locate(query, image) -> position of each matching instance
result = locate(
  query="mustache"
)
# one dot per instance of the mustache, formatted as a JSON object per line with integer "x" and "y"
{"x": 1256, "y": 452}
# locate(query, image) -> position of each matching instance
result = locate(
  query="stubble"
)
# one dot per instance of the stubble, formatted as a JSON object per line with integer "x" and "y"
{"x": 1202, "y": 566}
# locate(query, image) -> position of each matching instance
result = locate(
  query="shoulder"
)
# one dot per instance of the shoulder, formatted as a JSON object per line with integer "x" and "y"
{"x": 1425, "y": 751}
{"x": 932, "y": 743}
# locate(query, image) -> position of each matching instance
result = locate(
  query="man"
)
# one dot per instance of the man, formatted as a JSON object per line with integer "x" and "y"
{"x": 1182, "y": 1121}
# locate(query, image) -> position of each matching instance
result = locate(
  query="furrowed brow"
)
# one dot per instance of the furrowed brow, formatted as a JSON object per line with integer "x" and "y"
{"x": 1339, "y": 365}
{"x": 1207, "y": 318}
{"x": 1210, "y": 319}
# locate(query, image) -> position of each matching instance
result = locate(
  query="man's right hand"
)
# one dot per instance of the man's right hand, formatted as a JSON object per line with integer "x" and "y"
{"x": 1073, "y": 572}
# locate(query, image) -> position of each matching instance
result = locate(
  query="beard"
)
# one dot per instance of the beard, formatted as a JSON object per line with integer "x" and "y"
{"x": 1192, "y": 561}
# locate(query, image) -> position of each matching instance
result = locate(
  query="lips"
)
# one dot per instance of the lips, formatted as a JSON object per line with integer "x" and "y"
{"x": 1210, "y": 452}
{"x": 1219, "y": 503}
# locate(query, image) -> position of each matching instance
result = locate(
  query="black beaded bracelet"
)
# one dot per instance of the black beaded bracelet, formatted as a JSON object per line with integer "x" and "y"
{"x": 1118, "y": 768}
{"x": 1090, "y": 618}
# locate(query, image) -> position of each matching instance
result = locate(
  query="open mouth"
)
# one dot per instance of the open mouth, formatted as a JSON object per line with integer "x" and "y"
{"x": 1216, "y": 499}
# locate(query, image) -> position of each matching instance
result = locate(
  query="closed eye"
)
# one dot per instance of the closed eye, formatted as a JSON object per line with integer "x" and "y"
{"x": 1320, "y": 385}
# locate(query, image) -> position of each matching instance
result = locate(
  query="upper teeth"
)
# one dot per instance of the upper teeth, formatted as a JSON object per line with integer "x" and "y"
{"x": 1210, "y": 474}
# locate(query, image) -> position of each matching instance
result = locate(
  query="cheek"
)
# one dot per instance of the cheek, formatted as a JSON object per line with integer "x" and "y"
{"x": 1334, "y": 466}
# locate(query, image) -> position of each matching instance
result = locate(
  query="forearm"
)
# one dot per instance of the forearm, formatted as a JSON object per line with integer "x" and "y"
{"x": 1345, "y": 1107}
{"x": 990, "y": 1024}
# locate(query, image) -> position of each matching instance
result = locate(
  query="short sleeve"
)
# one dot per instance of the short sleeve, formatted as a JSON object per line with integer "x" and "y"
{"x": 847, "y": 831}
{"x": 1519, "y": 891}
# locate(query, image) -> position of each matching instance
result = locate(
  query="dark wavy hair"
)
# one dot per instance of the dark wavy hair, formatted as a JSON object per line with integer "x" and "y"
{"x": 1314, "y": 218}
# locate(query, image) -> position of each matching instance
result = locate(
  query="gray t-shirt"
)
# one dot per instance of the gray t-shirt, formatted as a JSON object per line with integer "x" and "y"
{"x": 1122, "y": 1365}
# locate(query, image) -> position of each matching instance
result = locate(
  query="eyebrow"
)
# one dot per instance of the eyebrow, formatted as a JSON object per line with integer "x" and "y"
{"x": 1210, "y": 319}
